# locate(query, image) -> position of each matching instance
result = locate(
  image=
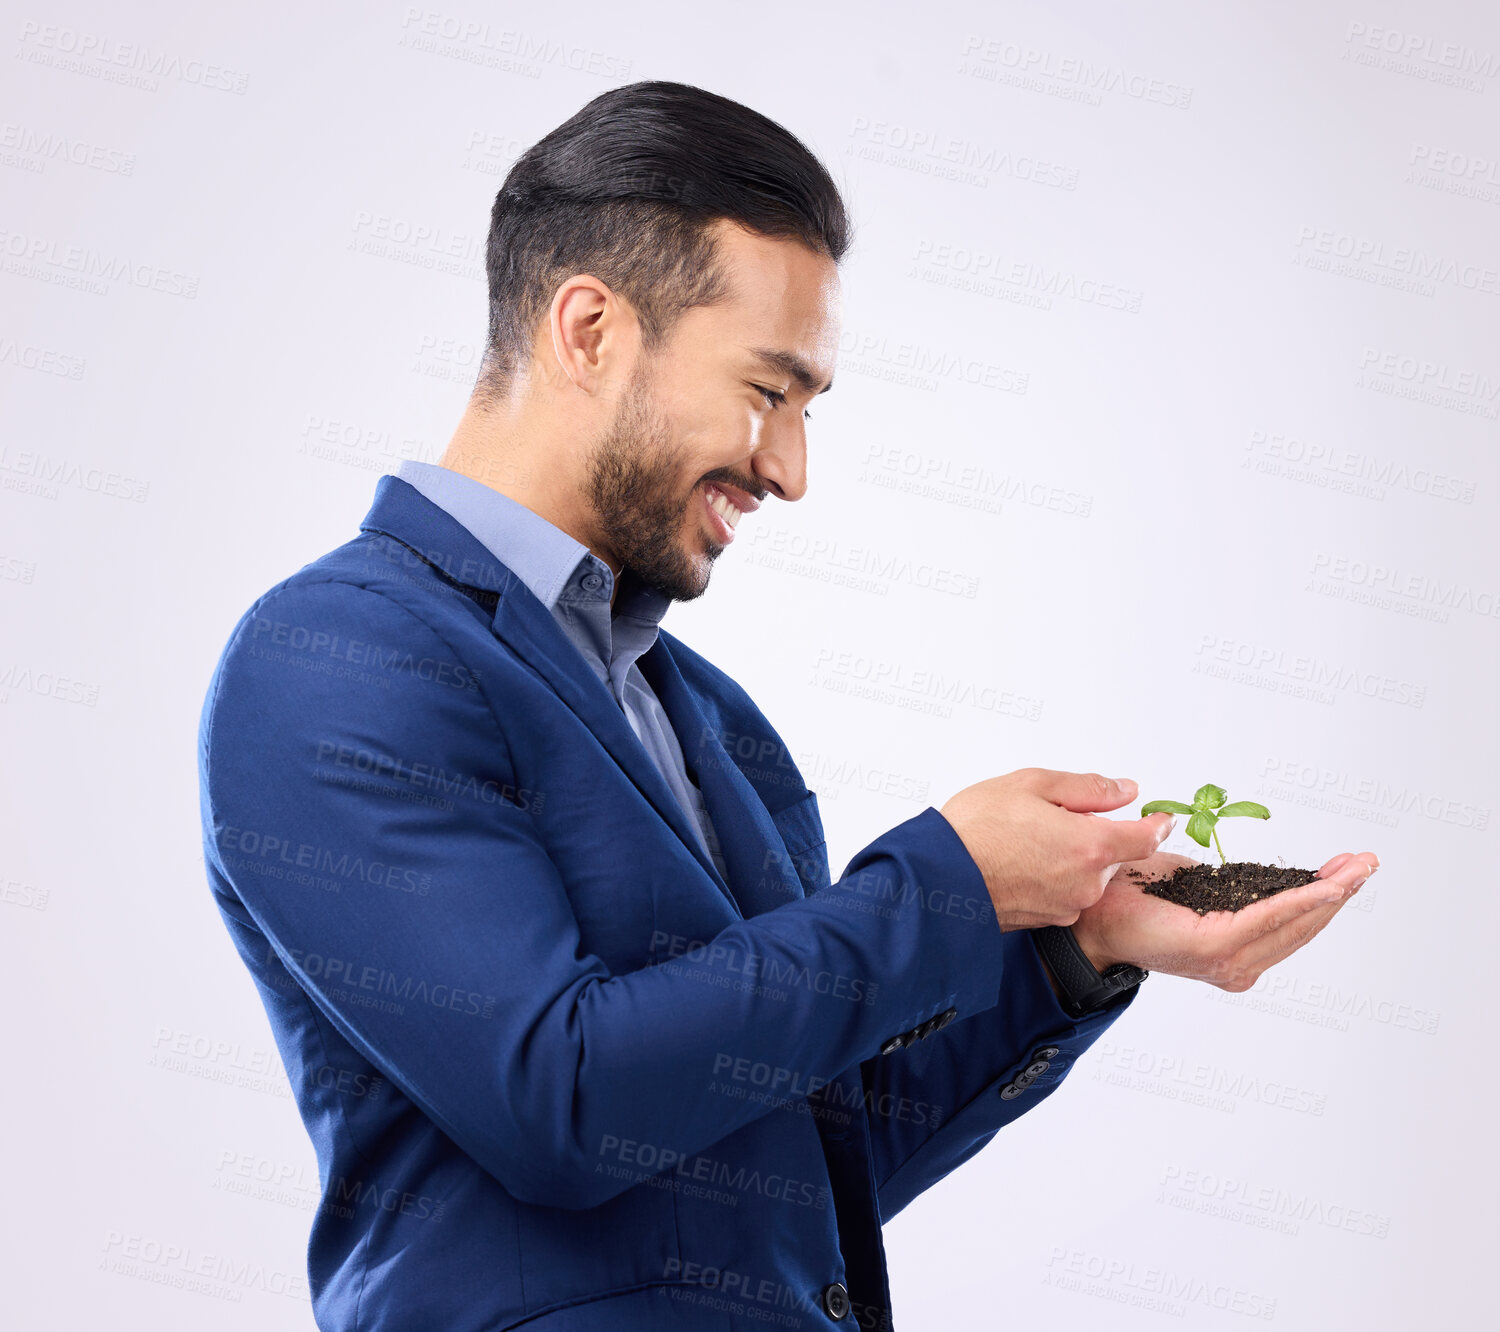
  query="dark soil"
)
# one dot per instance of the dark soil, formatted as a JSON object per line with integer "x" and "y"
{"x": 1224, "y": 887}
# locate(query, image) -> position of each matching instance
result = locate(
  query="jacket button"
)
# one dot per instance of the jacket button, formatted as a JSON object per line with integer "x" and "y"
{"x": 835, "y": 1299}
{"x": 1037, "y": 1069}
{"x": 1010, "y": 1091}
{"x": 944, "y": 1018}
{"x": 1046, "y": 1052}
{"x": 895, "y": 1043}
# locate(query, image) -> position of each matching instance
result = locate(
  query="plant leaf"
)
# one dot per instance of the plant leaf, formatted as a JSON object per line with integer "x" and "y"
{"x": 1209, "y": 795}
{"x": 1200, "y": 825}
{"x": 1171, "y": 807}
{"x": 1246, "y": 807}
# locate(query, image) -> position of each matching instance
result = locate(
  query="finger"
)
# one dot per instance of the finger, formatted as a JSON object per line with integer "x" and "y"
{"x": 1370, "y": 859}
{"x": 1134, "y": 839}
{"x": 1367, "y": 863}
{"x": 1082, "y": 792}
{"x": 1335, "y": 864}
{"x": 1280, "y": 944}
{"x": 1295, "y": 930}
{"x": 1248, "y": 925}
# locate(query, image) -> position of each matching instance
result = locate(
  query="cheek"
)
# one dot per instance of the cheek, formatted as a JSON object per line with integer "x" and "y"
{"x": 743, "y": 429}
{"x": 720, "y": 439}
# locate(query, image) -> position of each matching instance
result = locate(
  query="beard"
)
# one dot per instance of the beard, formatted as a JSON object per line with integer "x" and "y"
{"x": 633, "y": 472}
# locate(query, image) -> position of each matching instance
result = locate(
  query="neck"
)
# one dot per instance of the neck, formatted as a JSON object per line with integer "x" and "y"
{"x": 533, "y": 460}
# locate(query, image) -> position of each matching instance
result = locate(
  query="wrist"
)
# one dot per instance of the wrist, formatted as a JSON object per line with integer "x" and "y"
{"x": 1093, "y": 949}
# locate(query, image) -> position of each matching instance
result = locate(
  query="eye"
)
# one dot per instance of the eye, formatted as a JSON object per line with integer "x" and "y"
{"x": 777, "y": 399}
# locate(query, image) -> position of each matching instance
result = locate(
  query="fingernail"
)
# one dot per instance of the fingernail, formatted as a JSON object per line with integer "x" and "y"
{"x": 1167, "y": 827}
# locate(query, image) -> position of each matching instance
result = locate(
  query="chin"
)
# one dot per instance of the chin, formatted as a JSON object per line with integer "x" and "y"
{"x": 697, "y": 569}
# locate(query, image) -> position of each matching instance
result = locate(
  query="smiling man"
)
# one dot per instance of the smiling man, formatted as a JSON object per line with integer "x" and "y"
{"x": 583, "y": 1031}
{"x": 650, "y": 454}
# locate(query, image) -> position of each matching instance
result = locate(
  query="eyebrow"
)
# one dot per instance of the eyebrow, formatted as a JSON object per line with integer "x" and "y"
{"x": 788, "y": 363}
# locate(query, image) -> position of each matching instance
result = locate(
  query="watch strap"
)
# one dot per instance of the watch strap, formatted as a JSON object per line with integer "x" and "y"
{"x": 1084, "y": 988}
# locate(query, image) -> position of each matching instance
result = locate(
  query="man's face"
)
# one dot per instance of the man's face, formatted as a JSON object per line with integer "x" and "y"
{"x": 709, "y": 420}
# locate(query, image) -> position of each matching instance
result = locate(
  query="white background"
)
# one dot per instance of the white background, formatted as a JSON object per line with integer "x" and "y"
{"x": 1243, "y": 532}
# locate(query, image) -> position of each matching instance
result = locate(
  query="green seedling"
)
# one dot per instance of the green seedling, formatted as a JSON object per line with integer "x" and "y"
{"x": 1207, "y": 809}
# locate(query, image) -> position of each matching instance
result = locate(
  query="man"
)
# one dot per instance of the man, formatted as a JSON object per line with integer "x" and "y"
{"x": 536, "y": 900}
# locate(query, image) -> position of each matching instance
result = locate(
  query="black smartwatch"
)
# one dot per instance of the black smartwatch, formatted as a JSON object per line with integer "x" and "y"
{"x": 1084, "y": 989}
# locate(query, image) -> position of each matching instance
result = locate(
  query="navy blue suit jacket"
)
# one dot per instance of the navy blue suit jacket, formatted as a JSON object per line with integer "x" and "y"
{"x": 557, "y": 1071}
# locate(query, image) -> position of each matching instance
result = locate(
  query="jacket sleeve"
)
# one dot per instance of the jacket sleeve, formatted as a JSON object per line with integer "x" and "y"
{"x": 939, "y": 1100}
{"x": 475, "y": 995}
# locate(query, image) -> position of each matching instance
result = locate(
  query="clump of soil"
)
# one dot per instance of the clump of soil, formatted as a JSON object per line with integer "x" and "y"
{"x": 1240, "y": 883}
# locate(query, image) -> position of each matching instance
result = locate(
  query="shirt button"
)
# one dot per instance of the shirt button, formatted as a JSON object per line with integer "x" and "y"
{"x": 591, "y": 582}
{"x": 835, "y": 1299}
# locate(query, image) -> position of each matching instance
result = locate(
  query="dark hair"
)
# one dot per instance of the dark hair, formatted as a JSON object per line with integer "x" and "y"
{"x": 627, "y": 189}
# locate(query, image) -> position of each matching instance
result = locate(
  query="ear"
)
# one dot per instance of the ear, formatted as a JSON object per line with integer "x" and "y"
{"x": 594, "y": 337}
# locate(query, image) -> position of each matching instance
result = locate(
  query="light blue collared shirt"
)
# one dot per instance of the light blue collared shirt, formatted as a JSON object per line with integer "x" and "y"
{"x": 574, "y": 584}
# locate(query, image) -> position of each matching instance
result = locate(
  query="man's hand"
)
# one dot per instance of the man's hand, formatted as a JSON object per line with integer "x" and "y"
{"x": 1037, "y": 838}
{"x": 1229, "y": 949}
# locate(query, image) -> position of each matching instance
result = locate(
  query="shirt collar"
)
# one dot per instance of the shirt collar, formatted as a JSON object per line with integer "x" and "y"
{"x": 543, "y": 556}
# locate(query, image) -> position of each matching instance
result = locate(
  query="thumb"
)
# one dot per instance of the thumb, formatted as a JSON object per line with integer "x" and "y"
{"x": 1086, "y": 792}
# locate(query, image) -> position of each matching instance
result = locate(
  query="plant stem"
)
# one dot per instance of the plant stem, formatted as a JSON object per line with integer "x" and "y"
{"x": 1223, "y": 859}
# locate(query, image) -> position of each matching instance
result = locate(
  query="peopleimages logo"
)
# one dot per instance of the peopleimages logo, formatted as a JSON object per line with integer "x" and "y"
{"x": 644, "y": 1160}
{"x": 1421, "y": 56}
{"x": 1430, "y": 590}
{"x": 933, "y": 152}
{"x": 369, "y": 982}
{"x": 1154, "y": 1288}
{"x": 1268, "y": 1206}
{"x": 1402, "y": 260}
{"x": 426, "y": 776}
{"x": 377, "y": 656}
{"x": 789, "y": 548}
{"x": 49, "y": 471}
{"x": 102, "y": 56}
{"x": 772, "y": 969}
{"x": 1336, "y": 467}
{"x": 1320, "y": 780}
{"x": 343, "y": 865}
{"x": 1043, "y": 70}
{"x": 1312, "y": 677}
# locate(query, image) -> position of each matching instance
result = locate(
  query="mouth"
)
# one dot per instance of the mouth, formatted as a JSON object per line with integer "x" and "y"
{"x": 723, "y": 516}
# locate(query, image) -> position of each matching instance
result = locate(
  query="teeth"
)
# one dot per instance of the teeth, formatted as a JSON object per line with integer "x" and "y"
{"x": 721, "y": 505}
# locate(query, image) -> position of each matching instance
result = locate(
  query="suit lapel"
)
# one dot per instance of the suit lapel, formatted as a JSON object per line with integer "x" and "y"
{"x": 746, "y": 832}
{"x": 434, "y": 537}
{"x": 526, "y": 627}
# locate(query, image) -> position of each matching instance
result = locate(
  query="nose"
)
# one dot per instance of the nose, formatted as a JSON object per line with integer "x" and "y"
{"x": 781, "y": 462}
